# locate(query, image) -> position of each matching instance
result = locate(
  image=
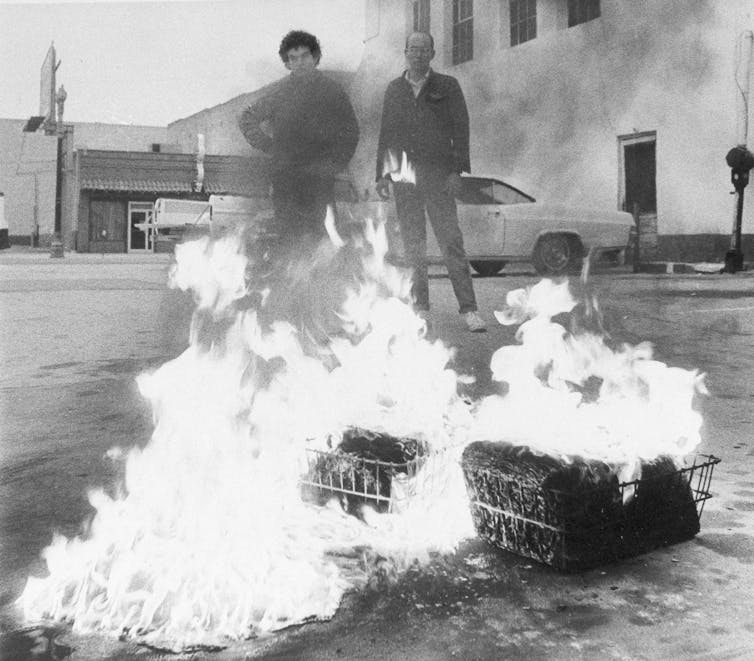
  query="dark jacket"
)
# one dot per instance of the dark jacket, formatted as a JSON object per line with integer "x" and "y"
{"x": 432, "y": 129}
{"x": 312, "y": 124}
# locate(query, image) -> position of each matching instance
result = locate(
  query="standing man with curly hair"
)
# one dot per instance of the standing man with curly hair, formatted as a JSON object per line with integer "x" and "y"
{"x": 424, "y": 115}
{"x": 308, "y": 127}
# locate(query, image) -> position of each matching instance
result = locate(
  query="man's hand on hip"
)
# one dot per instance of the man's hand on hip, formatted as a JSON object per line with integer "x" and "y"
{"x": 453, "y": 184}
{"x": 383, "y": 188}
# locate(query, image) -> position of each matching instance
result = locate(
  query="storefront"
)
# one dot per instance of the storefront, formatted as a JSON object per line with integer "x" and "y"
{"x": 117, "y": 192}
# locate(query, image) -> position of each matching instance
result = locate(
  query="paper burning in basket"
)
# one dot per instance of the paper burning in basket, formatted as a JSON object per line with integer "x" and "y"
{"x": 581, "y": 461}
{"x": 571, "y": 394}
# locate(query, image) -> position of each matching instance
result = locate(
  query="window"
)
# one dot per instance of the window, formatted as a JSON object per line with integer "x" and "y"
{"x": 506, "y": 194}
{"x": 107, "y": 220}
{"x": 463, "y": 30}
{"x": 476, "y": 191}
{"x": 421, "y": 15}
{"x": 156, "y": 148}
{"x": 523, "y": 17}
{"x": 581, "y": 11}
{"x": 480, "y": 190}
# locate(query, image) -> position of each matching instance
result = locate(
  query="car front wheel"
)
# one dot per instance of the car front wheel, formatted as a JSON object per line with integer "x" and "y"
{"x": 487, "y": 268}
{"x": 556, "y": 254}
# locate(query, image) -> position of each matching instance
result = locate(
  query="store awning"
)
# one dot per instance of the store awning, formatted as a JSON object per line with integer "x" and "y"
{"x": 137, "y": 185}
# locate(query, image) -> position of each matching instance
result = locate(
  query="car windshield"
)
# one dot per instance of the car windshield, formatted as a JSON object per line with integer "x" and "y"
{"x": 479, "y": 190}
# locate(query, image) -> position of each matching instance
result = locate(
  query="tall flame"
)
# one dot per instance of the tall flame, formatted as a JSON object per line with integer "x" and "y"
{"x": 570, "y": 394}
{"x": 209, "y": 539}
{"x": 331, "y": 229}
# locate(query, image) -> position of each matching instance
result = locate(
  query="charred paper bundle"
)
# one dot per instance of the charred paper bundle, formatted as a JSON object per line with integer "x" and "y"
{"x": 361, "y": 468}
{"x": 578, "y": 515}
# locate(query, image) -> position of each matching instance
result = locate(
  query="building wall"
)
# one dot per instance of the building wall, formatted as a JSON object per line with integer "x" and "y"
{"x": 546, "y": 114}
{"x": 25, "y": 157}
{"x": 121, "y": 137}
{"x": 219, "y": 124}
{"x": 27, "y": 178}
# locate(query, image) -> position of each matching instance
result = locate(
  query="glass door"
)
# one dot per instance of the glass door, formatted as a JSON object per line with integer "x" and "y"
{"x": 140, "y": 230}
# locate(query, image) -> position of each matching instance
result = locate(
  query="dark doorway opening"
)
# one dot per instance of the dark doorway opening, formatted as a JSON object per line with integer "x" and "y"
{"x": 641, "y": 175}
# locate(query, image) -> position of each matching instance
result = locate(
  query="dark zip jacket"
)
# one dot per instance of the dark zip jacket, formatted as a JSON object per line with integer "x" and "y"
{"x": 433, "y": 128}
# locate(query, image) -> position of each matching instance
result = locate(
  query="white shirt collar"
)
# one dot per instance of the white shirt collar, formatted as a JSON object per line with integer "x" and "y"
{"x": 417, "y": 85}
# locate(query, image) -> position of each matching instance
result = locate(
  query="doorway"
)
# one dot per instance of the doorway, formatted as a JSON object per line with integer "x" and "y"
{"x": 638, "y": 185}
{"x": 140, "y": 235}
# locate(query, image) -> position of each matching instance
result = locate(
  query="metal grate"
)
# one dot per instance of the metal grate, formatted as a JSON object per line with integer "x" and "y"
{"x": 698, "y": 477}
{"x": 385, "y": 485}
{"x": 584, "y": 528}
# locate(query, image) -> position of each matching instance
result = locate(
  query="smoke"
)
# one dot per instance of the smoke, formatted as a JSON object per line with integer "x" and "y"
{"x": 539, "y": 115}
{"x": 378, "y": 67}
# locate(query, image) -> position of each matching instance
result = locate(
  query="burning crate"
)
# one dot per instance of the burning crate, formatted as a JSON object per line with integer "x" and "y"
{"x": 578, "y": 516}
{"x": 366, "y": 468}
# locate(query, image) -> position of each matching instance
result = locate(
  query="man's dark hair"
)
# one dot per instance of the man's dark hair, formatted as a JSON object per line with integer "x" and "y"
{"x": 296, "y": 39}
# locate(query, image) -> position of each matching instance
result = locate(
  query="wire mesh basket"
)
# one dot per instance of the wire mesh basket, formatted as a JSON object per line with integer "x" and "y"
{"x": 582, "y": 526}
{"x": 368, "y": 468}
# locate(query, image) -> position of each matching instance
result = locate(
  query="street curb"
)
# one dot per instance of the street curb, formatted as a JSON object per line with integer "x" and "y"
{"x": 668, "y": 268}
{"x": 40, "y": 257}
{"x": 685, "y": 268}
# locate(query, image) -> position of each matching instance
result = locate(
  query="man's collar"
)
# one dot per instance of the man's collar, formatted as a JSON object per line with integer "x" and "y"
{"x": 421, "y": 80}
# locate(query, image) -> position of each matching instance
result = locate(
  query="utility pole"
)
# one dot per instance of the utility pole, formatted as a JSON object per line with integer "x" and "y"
{"x": 56, "y": 244}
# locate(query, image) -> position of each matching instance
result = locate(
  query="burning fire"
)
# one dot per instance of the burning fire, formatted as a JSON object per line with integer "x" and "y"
{"x": 569, "y": 394}
{"x": 332, "y": 231}
{"x": 209, "y": 539}
{"x": 399, "y": 169}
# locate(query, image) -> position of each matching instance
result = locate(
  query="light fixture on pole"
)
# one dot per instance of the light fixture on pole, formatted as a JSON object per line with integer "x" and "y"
{"x": 740, "y": 159}
{"x": 56, "y": 244}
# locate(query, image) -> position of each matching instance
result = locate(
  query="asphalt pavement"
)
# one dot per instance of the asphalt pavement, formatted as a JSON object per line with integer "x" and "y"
{"x": 75, "y": 332}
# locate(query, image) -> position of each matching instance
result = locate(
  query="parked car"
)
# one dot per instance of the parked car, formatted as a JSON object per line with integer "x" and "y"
{"x": 501, "y": 224}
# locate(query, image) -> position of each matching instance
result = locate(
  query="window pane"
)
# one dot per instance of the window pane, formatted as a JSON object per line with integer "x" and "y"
{"x": 523, "y": 20}
{"x": 421, "y": 15}
{"x": 514, "y": 13}
{"x": 107, "y": 220}
{"x": 462, "y": 9}
{"x": 463, "y": 31}
{"x": 476, "y": 191}
{"x": 581, "y": 11}
{"x": 507, "y": 195}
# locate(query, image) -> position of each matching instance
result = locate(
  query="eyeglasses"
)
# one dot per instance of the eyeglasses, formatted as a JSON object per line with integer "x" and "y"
{"x": 415, "y": 49}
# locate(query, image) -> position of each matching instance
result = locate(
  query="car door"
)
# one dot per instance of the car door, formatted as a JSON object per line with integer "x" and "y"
{"x": 520, "y": 215}
{"x": 480, "y": 218}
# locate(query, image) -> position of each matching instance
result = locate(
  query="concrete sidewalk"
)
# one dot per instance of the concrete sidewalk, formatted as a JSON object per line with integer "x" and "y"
{"x": 25, "y": 255}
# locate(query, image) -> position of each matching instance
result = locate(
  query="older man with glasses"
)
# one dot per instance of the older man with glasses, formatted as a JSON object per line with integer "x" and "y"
{"x": 424, "y": 115}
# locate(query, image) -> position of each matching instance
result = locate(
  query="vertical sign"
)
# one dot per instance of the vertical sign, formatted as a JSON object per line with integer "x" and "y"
{"x": 47, "y": 87}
